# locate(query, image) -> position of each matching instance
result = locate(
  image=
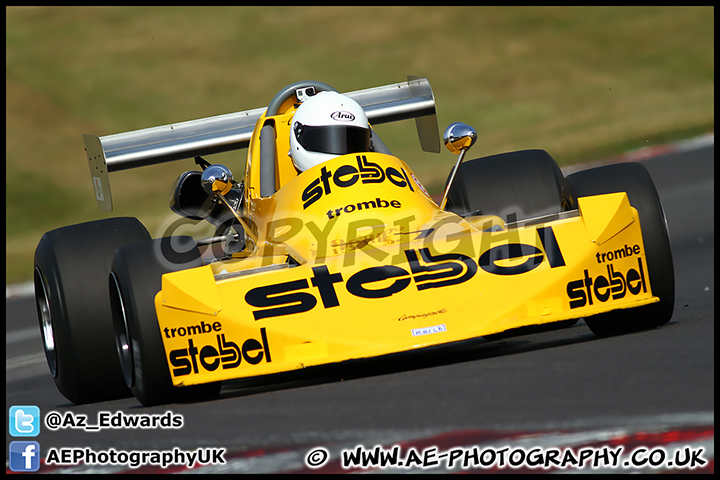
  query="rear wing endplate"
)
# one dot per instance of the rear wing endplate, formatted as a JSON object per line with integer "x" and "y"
{"x": 223, "y": 133}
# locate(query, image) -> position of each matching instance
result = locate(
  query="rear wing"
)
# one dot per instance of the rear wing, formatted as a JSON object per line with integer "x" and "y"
{"x": 223, "y": 133}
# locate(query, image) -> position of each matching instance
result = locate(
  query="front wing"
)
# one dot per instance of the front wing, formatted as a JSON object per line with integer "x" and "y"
{"x": 439, "y": 287}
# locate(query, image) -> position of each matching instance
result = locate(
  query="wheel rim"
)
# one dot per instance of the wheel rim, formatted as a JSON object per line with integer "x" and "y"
{"x": 120, "y": 327}
{"x": 48, "y": 336}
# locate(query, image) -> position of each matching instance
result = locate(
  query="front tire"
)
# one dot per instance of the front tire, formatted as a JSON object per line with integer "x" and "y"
{"x": 634, "y": 179}
{"x": 514, "y": 186}
{"x": 134, "y": 281}
{"x": 70, "y": 278}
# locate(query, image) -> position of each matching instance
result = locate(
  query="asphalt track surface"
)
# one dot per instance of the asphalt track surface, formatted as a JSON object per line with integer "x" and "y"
{"x": 534, "y": 387}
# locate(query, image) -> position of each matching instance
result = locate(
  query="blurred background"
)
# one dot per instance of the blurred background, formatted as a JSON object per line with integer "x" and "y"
{"x": 583, "y": 83}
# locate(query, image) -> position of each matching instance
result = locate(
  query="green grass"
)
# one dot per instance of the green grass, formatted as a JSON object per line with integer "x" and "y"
{"x": 583, "y": 83}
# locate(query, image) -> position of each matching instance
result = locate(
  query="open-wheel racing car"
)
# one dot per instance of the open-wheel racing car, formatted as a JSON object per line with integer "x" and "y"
{"x": 345, "y": 260}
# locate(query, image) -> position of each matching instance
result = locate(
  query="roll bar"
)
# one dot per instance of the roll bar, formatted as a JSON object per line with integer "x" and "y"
{"x": 206, "y": 136}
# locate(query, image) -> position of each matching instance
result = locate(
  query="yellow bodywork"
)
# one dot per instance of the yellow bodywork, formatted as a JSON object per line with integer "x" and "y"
{"x": 355, "y": 260}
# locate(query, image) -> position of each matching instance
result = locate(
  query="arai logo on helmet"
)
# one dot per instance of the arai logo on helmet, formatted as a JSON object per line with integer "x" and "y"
{"x": 342, "y": 116}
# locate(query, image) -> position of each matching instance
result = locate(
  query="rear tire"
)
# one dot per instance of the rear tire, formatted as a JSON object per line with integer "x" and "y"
{"x": 135, "y": 279}
{"x": 71, "y": 268}
{"x": 634, "y": 179}
{"x": 513, "y": 186}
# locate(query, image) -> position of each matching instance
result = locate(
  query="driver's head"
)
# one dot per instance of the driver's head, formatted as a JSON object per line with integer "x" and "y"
{"x": 325, "y": 126}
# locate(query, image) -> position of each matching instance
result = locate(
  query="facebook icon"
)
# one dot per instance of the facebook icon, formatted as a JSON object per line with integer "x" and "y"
{"x": 24, "y": 456}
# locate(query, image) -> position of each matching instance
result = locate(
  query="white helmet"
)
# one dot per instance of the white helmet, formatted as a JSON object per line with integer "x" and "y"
{"x": 325, "y": 126}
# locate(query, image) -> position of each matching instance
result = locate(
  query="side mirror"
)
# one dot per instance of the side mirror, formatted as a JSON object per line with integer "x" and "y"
{"x": 459, "y": 137}
{"x": 217, "y": 179}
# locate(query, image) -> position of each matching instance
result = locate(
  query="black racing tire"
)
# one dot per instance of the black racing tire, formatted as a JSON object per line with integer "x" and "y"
{"x": 70, "y": 279}
{"x": 514, "y": 186}
{"x": 135, "y": 279}
{"x": 634, "y": 179}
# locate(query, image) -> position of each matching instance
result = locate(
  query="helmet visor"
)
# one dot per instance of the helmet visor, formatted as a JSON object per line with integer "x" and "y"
{"x": 334, "y": 139}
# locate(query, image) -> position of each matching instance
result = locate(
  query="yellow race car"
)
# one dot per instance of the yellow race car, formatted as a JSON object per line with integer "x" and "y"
{"x": 328, "y": 249}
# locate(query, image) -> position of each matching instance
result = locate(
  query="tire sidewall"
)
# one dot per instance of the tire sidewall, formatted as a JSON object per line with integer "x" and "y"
{"x": 69, "y": 267}
{"x": 137, "y": 271}
{"x": 514, "y": 185}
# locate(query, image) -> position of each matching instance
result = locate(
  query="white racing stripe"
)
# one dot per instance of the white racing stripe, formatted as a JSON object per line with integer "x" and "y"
{"x": 21, "y": 335}
{"x": 22, "y": 290}
{"x": 24, "y": 361}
